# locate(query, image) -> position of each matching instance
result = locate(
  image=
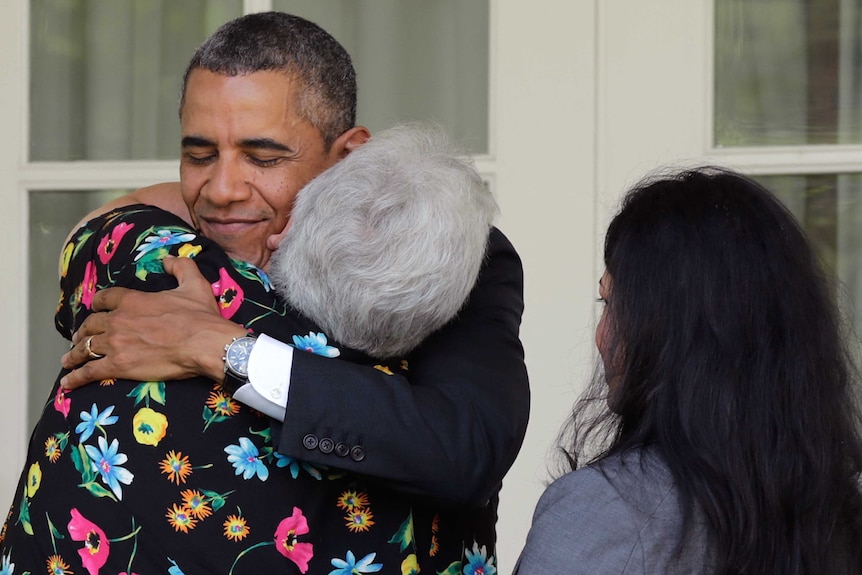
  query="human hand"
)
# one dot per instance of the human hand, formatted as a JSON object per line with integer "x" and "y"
{"x": 173, "y": 334}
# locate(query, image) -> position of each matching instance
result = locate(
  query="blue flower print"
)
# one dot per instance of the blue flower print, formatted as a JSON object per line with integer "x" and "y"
{"x": 175, "y": 570}
{"x": 294, "y": 466}
{"x": 106, "y": 460}
{"x": 6, "y": 567}
{"x": 349, "y": 565}
{"x": 315, "y": 343}
{"x": 93, "y": 420}
{"x": 162, "y": 238}
{"x": 264, "y": 279}
{"x": 478, "y": 562}
{"x": 246, "y": 459}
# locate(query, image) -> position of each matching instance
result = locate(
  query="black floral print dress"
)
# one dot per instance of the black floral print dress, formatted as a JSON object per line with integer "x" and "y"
{"x": 177, "y": 477}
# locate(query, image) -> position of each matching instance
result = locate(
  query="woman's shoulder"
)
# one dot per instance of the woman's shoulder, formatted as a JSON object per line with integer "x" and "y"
{"x": 121, "y": 247}
{"x": 616, "y": 516}
{"x": 635, "y": 484}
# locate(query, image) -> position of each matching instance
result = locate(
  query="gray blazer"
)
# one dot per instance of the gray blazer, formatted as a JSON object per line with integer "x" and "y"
{"x": 621, "y": 516}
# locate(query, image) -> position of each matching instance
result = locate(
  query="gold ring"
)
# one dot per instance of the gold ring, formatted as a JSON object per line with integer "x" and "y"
{"x": 89, "y": 350}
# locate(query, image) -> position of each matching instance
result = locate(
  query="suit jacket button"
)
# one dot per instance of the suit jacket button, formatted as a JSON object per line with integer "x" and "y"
{"x": 341, "y": 449}
{"x": 326, "y": 445}
{"x": 357, "y": 453}
{"x": 309, "y": 441}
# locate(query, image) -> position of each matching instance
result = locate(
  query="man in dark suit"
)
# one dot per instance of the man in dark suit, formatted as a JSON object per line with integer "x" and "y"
{"x": 268, "y": 103}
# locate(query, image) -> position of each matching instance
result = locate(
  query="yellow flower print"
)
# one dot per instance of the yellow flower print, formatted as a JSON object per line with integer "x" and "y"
{"x": 52, "y": 449}
{"x": 56, "y": 566}
{"x": 383, "y": 368}
{"x": 109, "y": 381}
{"x": 235, "y": 528}
{"x": 67, "y": 257}
{"x": 5, "y": 524}
{"x": 359, "y": 520}
{"x": 180, "y": 518}
{"x": 149, "y": 426}
{"x": 188, "y": 251}
{"x": 196, "y": 503}
{"x": 351, "y": 500}
{"x": 34, "y": 479}
{"x": 176, "y": 466}
{"x": 60, "y": 303}
{"x": 221, "y": 404}
{"x": 410, "y": 566}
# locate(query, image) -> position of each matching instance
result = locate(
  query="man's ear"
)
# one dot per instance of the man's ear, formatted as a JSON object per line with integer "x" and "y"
{"x": 349, "y": 141}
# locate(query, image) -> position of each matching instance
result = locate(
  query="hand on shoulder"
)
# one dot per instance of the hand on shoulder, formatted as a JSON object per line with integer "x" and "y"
{"x": 166, "y": 196}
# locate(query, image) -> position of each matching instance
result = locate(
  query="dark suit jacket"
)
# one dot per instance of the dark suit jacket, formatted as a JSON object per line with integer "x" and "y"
{"x": 452, "y": 431}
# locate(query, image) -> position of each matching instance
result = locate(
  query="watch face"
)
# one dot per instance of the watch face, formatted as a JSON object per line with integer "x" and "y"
{"x": 236, "y": 358}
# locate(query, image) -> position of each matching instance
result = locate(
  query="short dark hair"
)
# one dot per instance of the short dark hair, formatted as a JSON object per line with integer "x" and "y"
{"x": 276, "y": 41}
{"x": 733, "y": 368}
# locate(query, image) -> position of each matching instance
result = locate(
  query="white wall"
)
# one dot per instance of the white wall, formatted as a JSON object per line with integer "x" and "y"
{"x": 546, "y": 186}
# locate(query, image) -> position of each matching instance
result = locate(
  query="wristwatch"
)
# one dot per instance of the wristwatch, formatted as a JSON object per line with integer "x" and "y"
{"x": 236, "y": 355}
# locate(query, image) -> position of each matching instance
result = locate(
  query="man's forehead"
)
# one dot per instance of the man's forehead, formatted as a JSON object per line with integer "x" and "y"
{"x": 277, "y": 83}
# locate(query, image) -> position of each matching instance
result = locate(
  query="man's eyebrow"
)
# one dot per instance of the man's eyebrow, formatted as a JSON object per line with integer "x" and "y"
{"x": 264, "y": 144}
{"x": 196, "y": 142}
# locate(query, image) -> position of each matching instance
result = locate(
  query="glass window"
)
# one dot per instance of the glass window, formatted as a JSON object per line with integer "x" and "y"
{"x": 105, "y": 75}
{"x": 829, "y": 208}
{"x": 788, "y": 72}
{"x": 52, "y": 216}
{"x": 414, "y": 60}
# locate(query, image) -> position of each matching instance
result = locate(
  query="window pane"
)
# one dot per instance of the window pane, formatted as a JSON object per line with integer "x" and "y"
{"x": 788, "y": 72}
{"x": 414, "y": 60}
{"x": 829, "y": 207}
{"x": 52, "y": 215}
{"x": 105, "y": 75}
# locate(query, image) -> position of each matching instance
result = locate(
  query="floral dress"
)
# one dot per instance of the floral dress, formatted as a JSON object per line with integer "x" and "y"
{"x": 177, "y": 477}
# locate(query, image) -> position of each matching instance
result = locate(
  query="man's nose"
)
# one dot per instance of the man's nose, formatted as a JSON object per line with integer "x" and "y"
{"x": 228, "y": 183}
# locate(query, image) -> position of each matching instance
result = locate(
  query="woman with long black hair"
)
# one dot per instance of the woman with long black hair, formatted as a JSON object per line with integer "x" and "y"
{"x": 722, "y": 435}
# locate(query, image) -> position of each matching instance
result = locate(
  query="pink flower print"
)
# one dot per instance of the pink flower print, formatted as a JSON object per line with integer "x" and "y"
{"x": 88, "y": 287}
{"x": 62, "y": 403}
{"x": 109, "y": 241}
{"x": 228, "y": 293}
{"x": 286, "y": 535}
{"x": 94, "y": 553}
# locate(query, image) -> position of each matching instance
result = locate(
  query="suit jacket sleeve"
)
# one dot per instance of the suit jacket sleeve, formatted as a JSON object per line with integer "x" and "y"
{"x": 449, "y": 433}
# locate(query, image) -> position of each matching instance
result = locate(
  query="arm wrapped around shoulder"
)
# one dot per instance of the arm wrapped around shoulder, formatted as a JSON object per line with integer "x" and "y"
{"x": 385, "y": 246}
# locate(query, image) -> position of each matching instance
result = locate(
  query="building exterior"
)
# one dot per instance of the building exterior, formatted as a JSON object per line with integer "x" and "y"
{"x": 563, "y": 104}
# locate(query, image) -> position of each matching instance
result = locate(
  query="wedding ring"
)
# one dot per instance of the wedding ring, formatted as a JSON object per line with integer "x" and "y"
{"x": 89, "y": 350}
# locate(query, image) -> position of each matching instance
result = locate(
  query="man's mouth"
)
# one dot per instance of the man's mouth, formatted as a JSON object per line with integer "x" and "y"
{"x": 229, "y": 226}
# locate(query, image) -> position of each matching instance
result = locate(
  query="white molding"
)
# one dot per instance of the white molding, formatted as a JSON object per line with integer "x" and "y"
{"x": 251, "y": 6}
{"x": 709, "y": 77}
{"x": 493, "y": 36}
{"x": 13, "y": 222}
{"x": 97, "y": 175}
{"x": 789, "y": 159}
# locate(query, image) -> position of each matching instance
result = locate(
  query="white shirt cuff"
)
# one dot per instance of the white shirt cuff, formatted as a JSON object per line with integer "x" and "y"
{"x": 269, "y": 367}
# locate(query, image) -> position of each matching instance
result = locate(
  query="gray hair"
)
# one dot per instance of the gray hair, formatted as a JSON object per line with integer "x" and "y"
{"x": 275, "y": 41}
{"x": 385, "y": 246}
